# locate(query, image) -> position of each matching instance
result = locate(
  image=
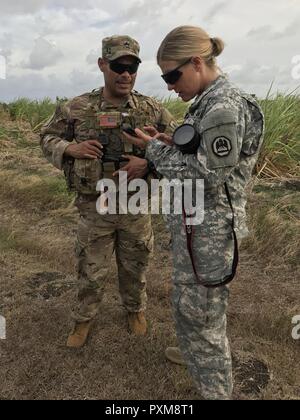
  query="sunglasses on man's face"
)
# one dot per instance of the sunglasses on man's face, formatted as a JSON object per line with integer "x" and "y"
{"x": 120, "y": 68}
{"x": 174, "y": 75}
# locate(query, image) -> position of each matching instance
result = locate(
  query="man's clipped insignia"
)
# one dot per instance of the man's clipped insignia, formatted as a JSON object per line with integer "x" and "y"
{"x": 173, "y": 125}
{"x": 126, "y": 44}
{"x": 222, "y": 146}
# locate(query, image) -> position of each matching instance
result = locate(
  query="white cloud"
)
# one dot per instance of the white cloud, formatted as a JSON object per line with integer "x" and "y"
{"x": 268, "y": 33}
{"x": 44, "y": 38}
{"x": 6, "y": 43}
{"x": 215, "y": 10}
{"x": 21, "y": 7}
{"x": 44, "y": 54}
{"x": 93, "y": 56}
{"x": 232, "y": 68}
{"x": 2, "y": 67}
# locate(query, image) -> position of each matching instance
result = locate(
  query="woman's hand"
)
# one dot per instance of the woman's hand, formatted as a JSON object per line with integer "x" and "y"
{"x": 159, "y": 136}
{"x": 142, "y": 140}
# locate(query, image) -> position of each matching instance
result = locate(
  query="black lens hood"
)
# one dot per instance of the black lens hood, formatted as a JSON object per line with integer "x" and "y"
{"x": 186, "y": 139}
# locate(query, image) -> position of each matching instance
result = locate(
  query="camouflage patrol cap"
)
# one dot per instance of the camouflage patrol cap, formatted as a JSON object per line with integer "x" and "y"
{"x": 119, "y": 46}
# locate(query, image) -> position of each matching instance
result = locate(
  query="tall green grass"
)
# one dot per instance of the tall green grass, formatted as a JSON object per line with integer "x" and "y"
{"x": 280, "y": 153}
{"x": 281, "y": 150}
{"x": 35, "y": 112}
{"x": 177, "y": 108}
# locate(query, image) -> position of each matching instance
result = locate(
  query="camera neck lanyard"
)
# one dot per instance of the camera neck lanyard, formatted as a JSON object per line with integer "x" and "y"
{"x": 190, "y": 234}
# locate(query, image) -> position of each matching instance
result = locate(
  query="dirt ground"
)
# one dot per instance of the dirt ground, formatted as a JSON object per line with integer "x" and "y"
{"x": 38, "y": 288}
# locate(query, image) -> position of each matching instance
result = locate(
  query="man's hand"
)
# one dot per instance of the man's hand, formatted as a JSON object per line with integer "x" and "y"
{"x": 135, "y": 168}
{"x": 90, "y": 149}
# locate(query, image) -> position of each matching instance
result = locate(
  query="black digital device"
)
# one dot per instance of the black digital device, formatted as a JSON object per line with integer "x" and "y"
{"x": 129, "y": 130}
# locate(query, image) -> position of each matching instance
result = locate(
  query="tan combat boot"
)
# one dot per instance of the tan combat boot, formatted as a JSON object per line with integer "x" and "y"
{"x": 174, "y": 355}
{"x": 137, "y": 323}
{"x": 79, "y": 335}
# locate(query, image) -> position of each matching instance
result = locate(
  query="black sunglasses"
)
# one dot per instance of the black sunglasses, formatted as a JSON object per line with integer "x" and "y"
{"x": 174, "y": 75}
{"x": 120, "y": 68}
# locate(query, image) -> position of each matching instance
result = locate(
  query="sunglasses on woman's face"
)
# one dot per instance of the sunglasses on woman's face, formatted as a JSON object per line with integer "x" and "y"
{"x": 174, "y": 75}
{"x": 120, "y": 68}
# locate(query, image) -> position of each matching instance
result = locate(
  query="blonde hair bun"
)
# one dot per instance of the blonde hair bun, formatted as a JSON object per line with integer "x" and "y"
{"x": 218, "y": 46}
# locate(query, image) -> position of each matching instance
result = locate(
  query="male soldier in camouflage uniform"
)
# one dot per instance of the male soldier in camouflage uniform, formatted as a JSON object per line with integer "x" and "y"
{"x": 230, "y": 126}
{"x": 88, "y": 121}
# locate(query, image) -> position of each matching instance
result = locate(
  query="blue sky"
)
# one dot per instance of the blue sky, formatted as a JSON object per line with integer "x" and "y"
{"x": 51, "y": 47}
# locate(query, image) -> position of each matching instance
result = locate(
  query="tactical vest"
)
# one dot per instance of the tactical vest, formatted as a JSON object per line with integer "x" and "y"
{"x": 105, "y": 124}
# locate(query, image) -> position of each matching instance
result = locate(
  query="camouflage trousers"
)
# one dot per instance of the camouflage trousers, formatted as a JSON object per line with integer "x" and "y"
{"x": 200, "y": 322}
{"x": 200, "y": 312}
{"x": 99, "y": 237}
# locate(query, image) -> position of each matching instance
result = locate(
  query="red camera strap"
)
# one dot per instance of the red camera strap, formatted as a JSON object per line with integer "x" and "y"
{"x": 190, "y": 233}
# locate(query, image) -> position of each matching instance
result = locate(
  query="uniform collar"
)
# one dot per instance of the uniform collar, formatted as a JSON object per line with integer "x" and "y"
{"x": 130, "y": 103}
{"x": 216, "y": 83}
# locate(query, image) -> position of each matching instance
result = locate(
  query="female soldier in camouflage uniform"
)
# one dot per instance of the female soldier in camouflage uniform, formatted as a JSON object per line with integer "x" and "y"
{"x": 230, "y": 127}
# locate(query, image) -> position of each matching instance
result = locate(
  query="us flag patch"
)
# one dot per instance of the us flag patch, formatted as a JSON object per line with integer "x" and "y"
{"x": 108, "y": 121}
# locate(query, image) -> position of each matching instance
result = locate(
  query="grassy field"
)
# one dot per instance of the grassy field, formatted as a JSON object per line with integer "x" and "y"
{"x": 37, "y": 281}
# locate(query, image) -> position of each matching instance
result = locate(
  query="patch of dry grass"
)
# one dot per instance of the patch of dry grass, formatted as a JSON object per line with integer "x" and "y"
{"x": 274, "y": 218}
{"x": 25, "y": 178}
{"x": 37, "y": 292}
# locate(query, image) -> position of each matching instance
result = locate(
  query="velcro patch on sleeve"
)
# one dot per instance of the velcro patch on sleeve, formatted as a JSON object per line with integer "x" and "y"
{"x": 220, "y": 138}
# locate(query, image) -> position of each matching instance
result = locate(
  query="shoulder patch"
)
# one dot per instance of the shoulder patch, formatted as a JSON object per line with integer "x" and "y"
{"x": 222, "y": 146}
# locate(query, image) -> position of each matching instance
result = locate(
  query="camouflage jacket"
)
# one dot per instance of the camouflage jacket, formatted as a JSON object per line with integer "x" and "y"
{"x": 231, "y": 125}
{"x": 90, "y": 117}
